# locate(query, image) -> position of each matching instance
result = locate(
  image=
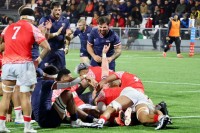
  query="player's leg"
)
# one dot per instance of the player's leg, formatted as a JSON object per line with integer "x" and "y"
{"x": 26, "y": 80}
{"x": 17, "y": 106}
{"x": 66, "y": 101}
{"x": 178, "y": 44}
{"x": 7, "y": 87}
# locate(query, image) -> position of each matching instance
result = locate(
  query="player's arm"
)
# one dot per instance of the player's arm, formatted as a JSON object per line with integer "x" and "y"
{"x": 66, "y": 84}
{"x": 104, "y": 64}
{"x": 117, "y": 53}
{"x": 68, "y": 37}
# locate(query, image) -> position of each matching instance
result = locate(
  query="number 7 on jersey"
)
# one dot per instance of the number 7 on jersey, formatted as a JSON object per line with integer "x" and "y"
{"x": 16, "y": 28}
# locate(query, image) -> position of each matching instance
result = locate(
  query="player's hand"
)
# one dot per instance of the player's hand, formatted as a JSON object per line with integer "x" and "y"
{"x": 92, "y": 82}
{"x": 69, "y": 34}
{"x": 60, "y": 30}
{"x": 101, "y": 84}
{"x": 66, "y": 50}
{"x": 167, "y": 38}
{"x": 9, "y": 118}
{"x": 109, "y": 59}
{"x": 48, "y": 24}
{"x": 42, "y": 28}
{"x": 106, "y": 48}
{"x": 37, "y": 62}
{"x": 97, "y": 58}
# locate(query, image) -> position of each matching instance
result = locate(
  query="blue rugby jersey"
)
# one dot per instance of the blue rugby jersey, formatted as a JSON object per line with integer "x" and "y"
{"x": 35, "y": 51}
{"x": 83, "y": 37}
{"x": 41, "y": 97}
{"x": 57, "y": 42}
{"x": 98, "y": 41}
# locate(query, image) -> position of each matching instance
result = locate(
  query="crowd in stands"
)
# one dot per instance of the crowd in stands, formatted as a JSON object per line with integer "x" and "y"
{"x": 122, "y": 13}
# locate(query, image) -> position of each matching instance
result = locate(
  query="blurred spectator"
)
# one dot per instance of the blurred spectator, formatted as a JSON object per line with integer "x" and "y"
{"x": 120, "y": 20}
{"x": 122, "y": 8}
{"x": 190, "y": 5}
{"x": 132, "y": 33}
{"x": 4, "y": 19}
{"x": 173, "y": 4}
{"x": 81, "y": 8}
{"x": 96, "y": 5}
{"x": 150, "y": 6}
{"x": 136, "y": 15}
{"x": 143, "y": 9}
{"x": 66, "y": 5}
{"x": 74, "y": 14}
{"x": 102, "y": 11}
{"x": 148, "y": 25}
{"x": 181, "y": 8}
{"x": 95, "y": 18}
{"x": 137, "y": 4}
{"x": 159, "y": 18}
{"x": 197, "y": 4}
{"x": 89, "y": 8}
{"x": 185, "y": 21}
{"x": 112, "y": 20}
{"x": 108, "y": 6}
{"x": 167, "y": 9}
{"x": 38, "y": 15}
{"x": 129, "y": 8}
{"x": 115, "y": 5}
{"x": 160, "y": 5}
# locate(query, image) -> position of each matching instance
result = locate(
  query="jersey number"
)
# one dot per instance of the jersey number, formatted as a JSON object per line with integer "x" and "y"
{"x": 16, "y": 28}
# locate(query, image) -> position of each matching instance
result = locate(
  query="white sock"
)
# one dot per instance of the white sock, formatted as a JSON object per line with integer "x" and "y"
{"x": 2, "y": 123}
{"x": 18, "y": 113}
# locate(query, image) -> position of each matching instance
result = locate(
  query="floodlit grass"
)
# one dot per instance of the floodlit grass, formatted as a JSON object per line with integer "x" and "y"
{"x": 173, "y": 80}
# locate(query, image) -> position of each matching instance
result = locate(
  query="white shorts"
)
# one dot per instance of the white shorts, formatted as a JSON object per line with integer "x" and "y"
{"x": 136, "y": 97}
{"x": 24, "y": 74}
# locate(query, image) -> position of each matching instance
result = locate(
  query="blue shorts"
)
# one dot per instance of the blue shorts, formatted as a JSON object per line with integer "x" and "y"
{"x": 84, "y": 53}
{"x": 56, "y": 58}
{"x": 111, "y": 64}
{"x": 49, "y": 119}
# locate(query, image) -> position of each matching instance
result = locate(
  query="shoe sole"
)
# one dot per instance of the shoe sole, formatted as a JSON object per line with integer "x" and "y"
{"x": 164, "y": 123}
{"x": 127, "y": 113}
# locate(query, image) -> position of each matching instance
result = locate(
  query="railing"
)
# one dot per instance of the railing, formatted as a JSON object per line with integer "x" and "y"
{"x": 143, "y": 41}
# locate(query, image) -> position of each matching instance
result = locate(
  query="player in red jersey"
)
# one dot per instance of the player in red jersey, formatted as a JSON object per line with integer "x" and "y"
{"x": 130, "y": 96}
{"x": 18, "y": 67}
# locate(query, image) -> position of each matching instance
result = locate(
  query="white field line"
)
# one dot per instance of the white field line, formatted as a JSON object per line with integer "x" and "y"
{"x": 185, "y": 117}
{"x": 157, "y": 82}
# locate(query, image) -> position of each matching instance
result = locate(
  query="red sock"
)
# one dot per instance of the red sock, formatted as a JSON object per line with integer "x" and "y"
{"x": 155, "y": 118}
{"x": 2, "y": 117}
{"x": 103, "y": 117}
{"x": 27, "y": 118}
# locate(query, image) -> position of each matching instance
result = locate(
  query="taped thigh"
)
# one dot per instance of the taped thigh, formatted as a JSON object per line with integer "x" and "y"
{"x": 60, "y": 105}
{"x": 6, "y": 86}
{"x": 142, "y": 109}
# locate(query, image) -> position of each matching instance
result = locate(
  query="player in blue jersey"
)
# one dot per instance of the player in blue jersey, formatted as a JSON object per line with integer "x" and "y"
{"x": 83, "y": 32}
{"x": 57, "y": 33}
{"x": 103, "y": 36}
{"x": 50, "y": 115}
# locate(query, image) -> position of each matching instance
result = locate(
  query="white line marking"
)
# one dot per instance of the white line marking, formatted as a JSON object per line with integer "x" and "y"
{"x": 189, "y": 91}
{"x": 156, "y": 82}
{"x": 184, "y": 117}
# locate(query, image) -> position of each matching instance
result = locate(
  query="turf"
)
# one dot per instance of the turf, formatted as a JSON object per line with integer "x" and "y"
{"x": 173, "y": 80}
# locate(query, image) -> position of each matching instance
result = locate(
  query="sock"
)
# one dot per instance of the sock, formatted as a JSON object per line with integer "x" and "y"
{"x": 89, "y": 118}
{"x": 103, "y": 119}
{"x": 155, "y": 118}
{"x": 27, "y": 120}
{"x": 2, "y": 121}
{"x": 74, "y": 117}
{"x": 18, "y": 112}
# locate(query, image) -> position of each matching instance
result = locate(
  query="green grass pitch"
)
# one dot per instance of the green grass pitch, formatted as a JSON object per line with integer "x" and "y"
{"x": 173, "y": 80}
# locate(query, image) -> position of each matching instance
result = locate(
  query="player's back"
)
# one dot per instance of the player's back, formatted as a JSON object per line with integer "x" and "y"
{"x": 18, "y": 39}
{"x": 131, "y": 80}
